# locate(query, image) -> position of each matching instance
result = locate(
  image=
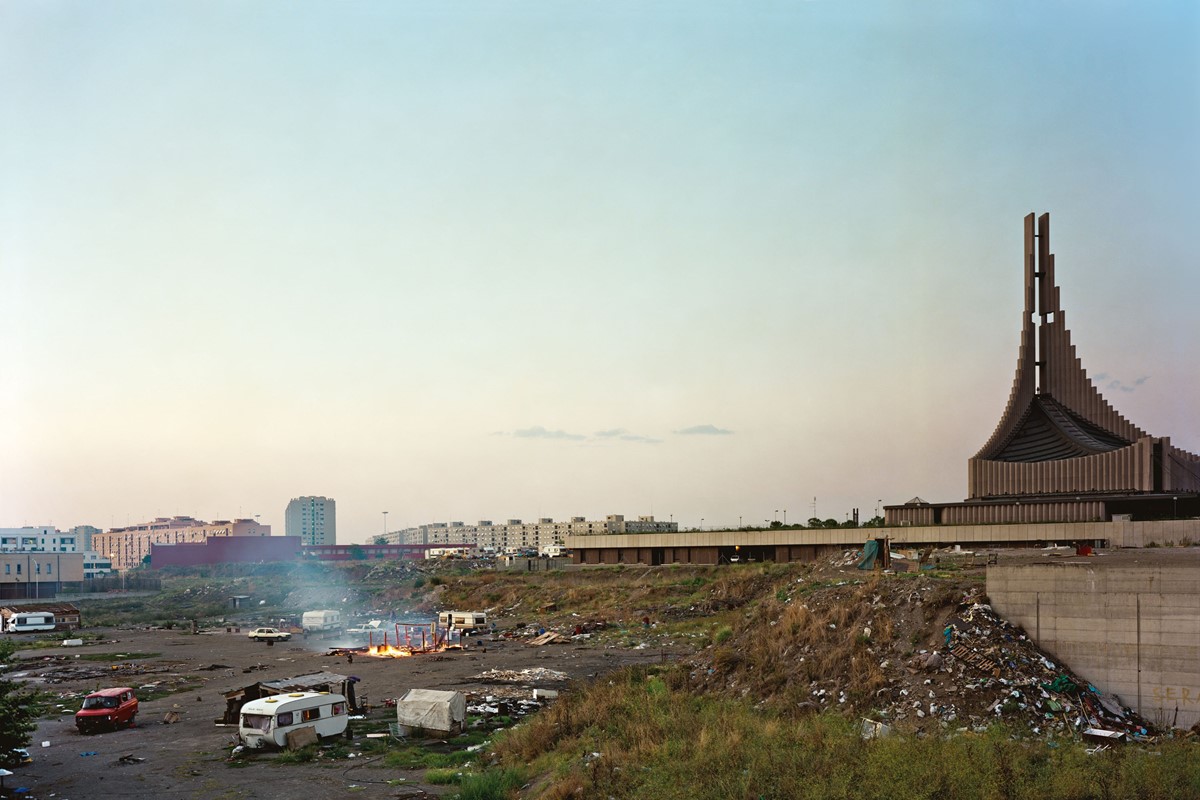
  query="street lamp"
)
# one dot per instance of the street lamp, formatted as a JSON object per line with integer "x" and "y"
{"x": 385, "y": 523}
{"x": 1176, "y": 512}
{"x": 702, "y": 523}
{"x": 785, "y": 518}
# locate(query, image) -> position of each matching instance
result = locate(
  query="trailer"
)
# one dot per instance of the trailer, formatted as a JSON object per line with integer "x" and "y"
{"x": 463, "y": 620}
{"x": 319, "y": 622}
{"x": 271, "y": 721}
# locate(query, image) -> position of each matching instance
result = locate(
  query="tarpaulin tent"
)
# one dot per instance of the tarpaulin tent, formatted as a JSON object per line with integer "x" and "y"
{"x": 435, "y": 712}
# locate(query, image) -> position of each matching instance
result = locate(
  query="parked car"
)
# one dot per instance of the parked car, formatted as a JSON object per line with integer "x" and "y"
{"x": 107, "y": 709}
{"x": 269, "y": 635}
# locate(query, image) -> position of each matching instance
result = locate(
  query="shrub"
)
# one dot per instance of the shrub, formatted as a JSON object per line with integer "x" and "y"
{"x": 722, "y": 635}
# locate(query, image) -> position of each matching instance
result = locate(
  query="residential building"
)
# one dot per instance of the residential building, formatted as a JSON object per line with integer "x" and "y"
{"x": 40, "y": 538}
{"x": 129, "y": 546}
{"x": 83, "y": 535}
{"x": 95, "y": 565}
{"x": 313, "y": 519}
{"x": 515, "y": 535}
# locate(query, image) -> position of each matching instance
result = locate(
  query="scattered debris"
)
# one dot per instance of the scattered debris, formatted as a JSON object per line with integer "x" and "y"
{"x": 549, "y": 637}
{"x": 532, "y": 674}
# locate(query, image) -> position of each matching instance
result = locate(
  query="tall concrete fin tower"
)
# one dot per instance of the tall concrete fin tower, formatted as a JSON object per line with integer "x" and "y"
{"x": 1058, "y": 435}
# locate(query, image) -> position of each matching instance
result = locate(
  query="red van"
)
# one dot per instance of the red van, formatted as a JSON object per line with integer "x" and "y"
{"x": 107, "y": 709}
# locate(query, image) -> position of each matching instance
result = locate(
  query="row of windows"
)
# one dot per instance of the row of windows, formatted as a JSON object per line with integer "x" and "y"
{"x": 286, "y": 718}
{"x": 9, "y": 571}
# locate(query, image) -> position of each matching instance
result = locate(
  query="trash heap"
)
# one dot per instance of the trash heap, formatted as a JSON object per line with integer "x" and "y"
{"x": 989, "y": 670}
{"x": 529, "y": 676}
{"x": 513, "y": 705}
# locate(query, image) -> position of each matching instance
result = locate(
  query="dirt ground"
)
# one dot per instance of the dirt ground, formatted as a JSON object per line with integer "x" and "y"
{"x": 190, "y": 758}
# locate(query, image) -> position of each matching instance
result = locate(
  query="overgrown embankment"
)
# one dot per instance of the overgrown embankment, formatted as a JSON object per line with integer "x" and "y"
{"x": 647, "y": 733}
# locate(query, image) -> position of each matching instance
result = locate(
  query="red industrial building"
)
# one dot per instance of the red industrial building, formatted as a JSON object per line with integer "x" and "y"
{"x": 226, "y": 550}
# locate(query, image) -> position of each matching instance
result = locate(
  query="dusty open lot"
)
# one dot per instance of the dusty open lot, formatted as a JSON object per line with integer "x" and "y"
{"x": 190, "y": 758}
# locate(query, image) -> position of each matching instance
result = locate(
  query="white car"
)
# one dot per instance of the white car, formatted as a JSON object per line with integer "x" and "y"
{"x": 269, "y": 634}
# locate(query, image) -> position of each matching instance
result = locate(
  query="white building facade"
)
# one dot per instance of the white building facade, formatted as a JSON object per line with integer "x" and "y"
{"x": 515, "y": 535}
{"x": 41, "y": 538}
{"x": 48, "y": 539}
{"x": 313, "y": 519}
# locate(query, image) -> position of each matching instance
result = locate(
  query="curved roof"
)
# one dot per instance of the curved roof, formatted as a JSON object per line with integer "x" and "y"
{"x": 1049, "y": 431}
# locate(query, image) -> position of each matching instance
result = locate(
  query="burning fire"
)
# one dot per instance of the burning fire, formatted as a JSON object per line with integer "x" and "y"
{"x": 388, "y": 651}
{"x": 411, "y": 640}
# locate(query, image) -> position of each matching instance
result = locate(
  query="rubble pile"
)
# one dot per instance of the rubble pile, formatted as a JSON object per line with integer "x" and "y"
{"x": 528, "y": 676}
{"x": 988, "y": 669}
{"x": 914, "y": 652}
{"x": 514, "y": 705}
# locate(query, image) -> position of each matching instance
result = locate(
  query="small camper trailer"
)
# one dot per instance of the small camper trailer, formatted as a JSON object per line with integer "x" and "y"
{"x": 269, "y": 721}
{"x": 463, "y": 620}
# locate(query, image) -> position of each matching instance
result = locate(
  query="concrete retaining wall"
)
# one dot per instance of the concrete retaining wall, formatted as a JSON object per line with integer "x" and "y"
{"x": 1129, "y": 625}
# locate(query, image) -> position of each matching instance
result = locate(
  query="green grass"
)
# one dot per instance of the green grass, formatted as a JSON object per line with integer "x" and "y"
{"x": 160, "y": 691}
{"x": 301, "y": 756}
{"x": 498, "y": 784}
{"x": 444, "y": 777}
{"x": 416, "y": 757}
{"x": 656, "y": 739}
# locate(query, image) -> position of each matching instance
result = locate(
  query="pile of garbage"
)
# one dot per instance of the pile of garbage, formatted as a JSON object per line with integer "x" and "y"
{"x": 921, "y": 653}
{"x": 990, "y": 670}
{"x": 514, "y": 706}
{"x": 530, "y": 675}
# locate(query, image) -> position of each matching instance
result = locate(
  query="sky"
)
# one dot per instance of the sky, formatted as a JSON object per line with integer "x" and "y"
{"x": 494, "y": 260}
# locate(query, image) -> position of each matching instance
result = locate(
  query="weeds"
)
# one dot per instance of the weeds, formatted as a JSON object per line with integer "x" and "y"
{"x": 443, "y": 777}
{"x": 641, "y": 733}
{"x": 491, "y": 785}
{"x": 301, "y": 756}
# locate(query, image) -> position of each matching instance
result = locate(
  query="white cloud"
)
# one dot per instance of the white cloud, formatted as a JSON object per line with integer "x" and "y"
{"x": 704, "y": 430}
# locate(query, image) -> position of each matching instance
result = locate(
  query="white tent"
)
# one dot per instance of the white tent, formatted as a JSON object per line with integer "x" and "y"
{"x": 435, "y": 712}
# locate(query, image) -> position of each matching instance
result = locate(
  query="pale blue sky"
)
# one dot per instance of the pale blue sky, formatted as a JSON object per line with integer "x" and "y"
{"x": 492, "y": 260}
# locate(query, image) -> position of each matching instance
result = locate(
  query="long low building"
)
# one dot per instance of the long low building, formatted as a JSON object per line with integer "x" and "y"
{"x": 33, "y": 575}
{"x": 807, "y": 544}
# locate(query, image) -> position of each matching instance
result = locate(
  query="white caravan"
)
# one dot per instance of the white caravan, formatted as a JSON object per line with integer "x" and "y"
{"x": 30, "y": 622}
{"x": 321, "y": 621}
{"x": 268, "y": 721}
{"x": 463, "y": 620}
